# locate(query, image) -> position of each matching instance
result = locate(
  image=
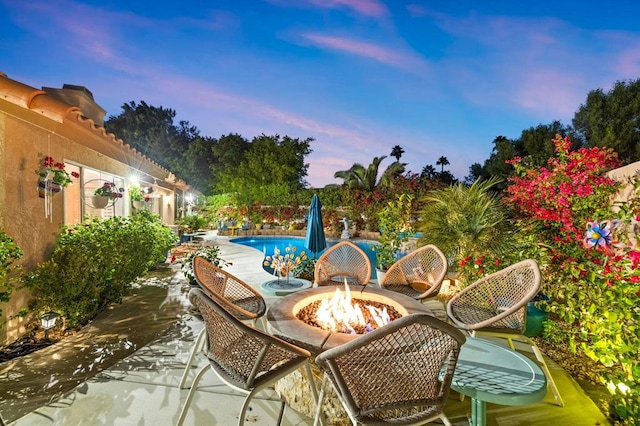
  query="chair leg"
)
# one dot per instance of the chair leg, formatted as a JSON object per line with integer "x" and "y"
{"x": 445, "y": 420}
{"x": 281, "y": 413}
{"x": 320, "y": 401}
{"x": 314, "y": 389}
{"x": 197, "y": 346}
{"x": 192, "y": 392}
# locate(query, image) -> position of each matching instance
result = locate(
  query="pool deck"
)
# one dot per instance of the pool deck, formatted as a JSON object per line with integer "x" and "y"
{"x": 142, "y": 388}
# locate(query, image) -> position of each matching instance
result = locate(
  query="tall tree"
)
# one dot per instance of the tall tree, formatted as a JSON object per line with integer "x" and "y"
{"x": 197, "y": 164}
{"x": 612, "y": 120}
{"x": 428, "y": 172}
{"x": 270, "y": 162}
{"x": 442, "y": 161}
{"x": 228, "y": 152}
{"x": 535, "y": 145}
{"x": 366, "y": 179}
{"x": 475, "y": 172}
{"x": 152, "y": 132}
{"x": 397, "y": 152}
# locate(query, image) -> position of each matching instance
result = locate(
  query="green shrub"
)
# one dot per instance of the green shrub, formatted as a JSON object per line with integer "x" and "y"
{"x": 94, "y": 264}
{"x": 395, "y": 227}
{"x": 211, "y": 254}
{"x": 306, "y": 269}
{"x": 9, "y": 253}
{"x": 193, "y": 222}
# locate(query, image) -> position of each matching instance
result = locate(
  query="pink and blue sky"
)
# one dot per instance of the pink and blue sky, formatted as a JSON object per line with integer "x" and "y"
{"x": 438, "y": 78}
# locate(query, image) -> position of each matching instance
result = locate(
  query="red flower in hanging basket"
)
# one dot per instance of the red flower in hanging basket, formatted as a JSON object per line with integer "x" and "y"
{"x": 55, "y": 172}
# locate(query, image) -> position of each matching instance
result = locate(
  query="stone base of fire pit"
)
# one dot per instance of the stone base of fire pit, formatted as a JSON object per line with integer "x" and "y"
{"x": 294, "y": 389}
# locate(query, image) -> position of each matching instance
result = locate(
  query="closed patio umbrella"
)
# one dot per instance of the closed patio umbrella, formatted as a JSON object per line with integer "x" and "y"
{"x": 315, "y": 241}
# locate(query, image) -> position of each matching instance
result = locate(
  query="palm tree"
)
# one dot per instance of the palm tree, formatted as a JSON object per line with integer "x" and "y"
{"x": 465, "y": 220}
{"x": 442, "y": 161}
{"x": 366, "y": 179}
{"x": 397, "y": 152}
{"x": 428, "y": 172}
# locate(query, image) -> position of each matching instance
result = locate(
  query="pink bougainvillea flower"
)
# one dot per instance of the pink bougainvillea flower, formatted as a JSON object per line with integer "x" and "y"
{"x": 634, "y": 256}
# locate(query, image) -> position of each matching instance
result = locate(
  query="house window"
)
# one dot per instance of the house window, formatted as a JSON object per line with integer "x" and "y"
{"x": 79, "y": 197}
{"x": 94, "y": 179}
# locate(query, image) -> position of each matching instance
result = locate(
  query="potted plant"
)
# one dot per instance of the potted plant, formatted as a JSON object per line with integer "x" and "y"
{"x": 53, "y": 177}
{"x": 105, "y": 194}
{"x": 138, "y": 197}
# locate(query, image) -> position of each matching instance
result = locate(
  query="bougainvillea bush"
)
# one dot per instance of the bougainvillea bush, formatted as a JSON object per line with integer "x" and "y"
{"x": 586, "y": 246}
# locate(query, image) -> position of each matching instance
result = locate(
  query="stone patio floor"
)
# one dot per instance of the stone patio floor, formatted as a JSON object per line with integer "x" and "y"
{"x": 124, "y": 369}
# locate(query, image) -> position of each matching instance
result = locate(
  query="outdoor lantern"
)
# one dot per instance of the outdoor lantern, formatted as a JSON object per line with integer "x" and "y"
{"x": 48, "y": 321}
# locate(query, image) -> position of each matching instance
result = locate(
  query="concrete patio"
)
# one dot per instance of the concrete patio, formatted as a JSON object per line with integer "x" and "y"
{"x": 141, "y": 388}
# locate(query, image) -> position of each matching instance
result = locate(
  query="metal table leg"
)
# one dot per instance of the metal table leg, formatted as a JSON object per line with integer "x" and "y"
{"x": 478, "y": 413}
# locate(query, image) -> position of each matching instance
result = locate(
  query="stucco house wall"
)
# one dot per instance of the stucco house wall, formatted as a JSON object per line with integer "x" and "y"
{"x": 35, "y": 124}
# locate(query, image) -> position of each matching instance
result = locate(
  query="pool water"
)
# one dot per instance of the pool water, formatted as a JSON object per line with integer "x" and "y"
{"x": 267, "y": 245}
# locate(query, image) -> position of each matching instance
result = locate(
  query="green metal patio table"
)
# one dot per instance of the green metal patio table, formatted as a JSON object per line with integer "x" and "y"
{"x": 487, "y": 372}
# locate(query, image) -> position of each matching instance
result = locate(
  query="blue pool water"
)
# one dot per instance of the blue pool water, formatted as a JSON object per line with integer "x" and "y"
{"x": 267, "y": 245}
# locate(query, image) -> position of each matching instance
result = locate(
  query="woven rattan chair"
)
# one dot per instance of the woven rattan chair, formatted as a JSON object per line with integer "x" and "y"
{"x": 243, "y": 357}
{"x": 398, "y": 374}
{"x": 341, "y": 261}
{"x": 237, "y": 296}
{"x": 419, "y": 274}
{"x": 497, "y": 305}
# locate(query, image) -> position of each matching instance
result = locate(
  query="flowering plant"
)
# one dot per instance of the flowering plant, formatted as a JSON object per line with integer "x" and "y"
{"x": 211, "y": 254}
{"x": 283, "y": 265}
{"x": 471, "y": 270}
{"x": 589, "y": 266}
{"x": 109, "y": 190}
{"x": 136, "y": 194}
{"x": 51, "y": 170}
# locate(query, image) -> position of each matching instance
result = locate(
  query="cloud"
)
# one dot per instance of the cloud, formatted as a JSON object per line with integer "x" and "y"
{"x": 370, "y": 8}
{"x": 392, "y": 56}
{"x": 367, "y": 8}
{"x": 542, "y": 65}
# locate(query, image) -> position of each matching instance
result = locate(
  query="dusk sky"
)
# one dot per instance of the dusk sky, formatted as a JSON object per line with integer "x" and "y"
{"x": 438, "y": 78}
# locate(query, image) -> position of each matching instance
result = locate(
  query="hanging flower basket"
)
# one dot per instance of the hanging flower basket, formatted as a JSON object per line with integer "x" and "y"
{"x": 100, "y": 201}
{"x": 48, "y": 187}
{"x": 106, "y": 194}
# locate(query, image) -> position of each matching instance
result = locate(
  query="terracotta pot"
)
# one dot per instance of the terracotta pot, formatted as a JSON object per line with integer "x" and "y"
{"x": 100, "y": 201}
{"x": 50, "y": 186}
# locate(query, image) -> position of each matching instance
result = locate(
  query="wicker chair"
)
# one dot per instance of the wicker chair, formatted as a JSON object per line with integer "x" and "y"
{"x": 242, "y": 300}
{"x": 341, "y": 261}
{"x": 243, "y": 357}
{"x": 398, "y": 374}
{"x": 496, "y": 305}
{"x": 419, "y": 274}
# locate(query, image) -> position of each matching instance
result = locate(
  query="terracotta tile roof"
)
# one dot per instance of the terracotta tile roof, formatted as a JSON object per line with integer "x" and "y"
{"x": 38, "y": 101}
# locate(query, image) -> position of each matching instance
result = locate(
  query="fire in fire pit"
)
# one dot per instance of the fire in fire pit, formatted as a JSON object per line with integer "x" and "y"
{"x": 344, "y": 314}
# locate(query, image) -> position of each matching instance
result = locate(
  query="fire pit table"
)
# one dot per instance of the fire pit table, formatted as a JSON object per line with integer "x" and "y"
{"x": 283, "y": 322}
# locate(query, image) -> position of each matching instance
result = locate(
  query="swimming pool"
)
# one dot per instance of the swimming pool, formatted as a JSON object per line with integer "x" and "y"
{"x": 268, "y": 244}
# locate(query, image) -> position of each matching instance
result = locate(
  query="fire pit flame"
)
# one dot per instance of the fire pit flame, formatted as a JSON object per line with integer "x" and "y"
{"x": 338, "y": 313}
